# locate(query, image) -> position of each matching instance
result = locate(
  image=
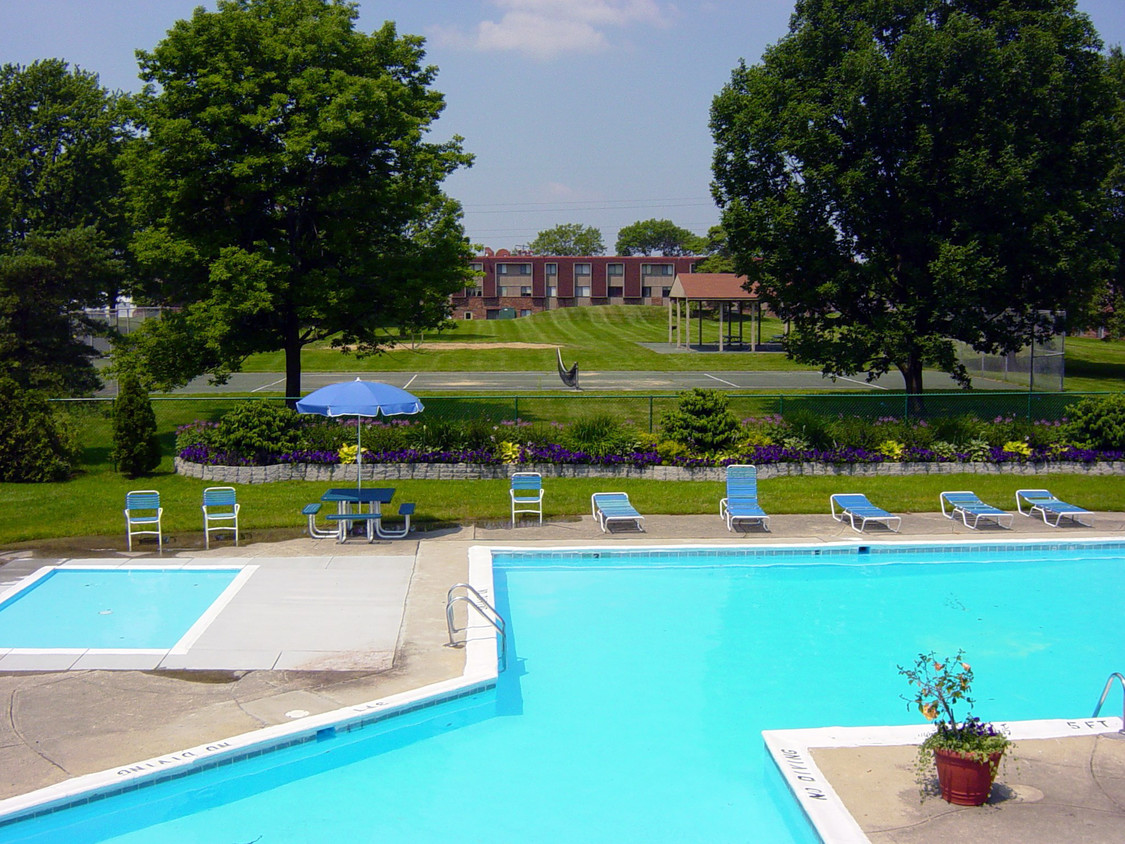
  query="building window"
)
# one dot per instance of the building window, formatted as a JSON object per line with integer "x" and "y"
{"x": 513, "y": 269}
{"x": 551, "y": 269}
{"x": 616, "y": 269}
{"x": 477, "y": 267}
{"x": 552, "y": 291}
{"x": 656, "y": 269}
{"x": 646, "y": 292}
{"x": 581, "y": 269}
{"x": 582, "y": 292}
{"x": 525, "y": 312}
{"x": 468, "y": 314}
{"x": 525, "y": 291}
{"x": 615, "y": 291}
{"x": 474, "y": 291}
{"x": 665, "y": 292}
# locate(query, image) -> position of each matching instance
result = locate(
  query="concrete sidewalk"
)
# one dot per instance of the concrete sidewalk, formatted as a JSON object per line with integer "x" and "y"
{"x": 58, "y": 725}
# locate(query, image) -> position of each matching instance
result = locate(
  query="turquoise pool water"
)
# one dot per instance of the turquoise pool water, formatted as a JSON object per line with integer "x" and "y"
{"x": 110, "y": 608}
{"x": 637, "y": 690}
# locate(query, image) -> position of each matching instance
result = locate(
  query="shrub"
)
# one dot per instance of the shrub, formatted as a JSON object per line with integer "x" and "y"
{"x": 258, "y": 428}
{"x": 599, "y": 436}
{"x": 318, "y": 433}
{"x": 1098, "y": 422}
{"x": 35, "y": 445}
{"x": 199, "y": 432}
{"x": 703, "y": 422}
{"x": 136, "y": 449}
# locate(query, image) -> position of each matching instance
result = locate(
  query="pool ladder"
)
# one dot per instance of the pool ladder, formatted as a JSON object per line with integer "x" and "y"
{"x": 484, "y": 609}
{"x": 1108, "y": 683}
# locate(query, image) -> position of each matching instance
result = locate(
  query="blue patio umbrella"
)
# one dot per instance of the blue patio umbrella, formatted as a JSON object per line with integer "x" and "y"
{"x": 359, "y": 398}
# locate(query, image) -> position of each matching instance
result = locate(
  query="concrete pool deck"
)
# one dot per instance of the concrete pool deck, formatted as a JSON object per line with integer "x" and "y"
{"x": 61, "y": 724}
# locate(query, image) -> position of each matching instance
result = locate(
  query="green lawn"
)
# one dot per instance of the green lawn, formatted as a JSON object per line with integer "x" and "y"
{"x": 1094, "y": 365}
{"x": 94, "y": 502}
{"x": 604, "y": 337}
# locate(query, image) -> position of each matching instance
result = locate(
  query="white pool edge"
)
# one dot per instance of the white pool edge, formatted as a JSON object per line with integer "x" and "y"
{"x": 791, "y": 751}
{"x": 480, "y": 673}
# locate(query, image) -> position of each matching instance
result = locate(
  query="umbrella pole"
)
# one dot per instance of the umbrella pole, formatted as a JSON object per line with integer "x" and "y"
{"x": 359, "y": 452}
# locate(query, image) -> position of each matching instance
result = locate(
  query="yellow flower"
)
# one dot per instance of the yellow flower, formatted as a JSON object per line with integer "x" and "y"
{"x": 928, "y": 710}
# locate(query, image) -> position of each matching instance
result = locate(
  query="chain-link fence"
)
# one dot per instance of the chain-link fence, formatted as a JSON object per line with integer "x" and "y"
{"x": 1040, "y": 366}
{"x": 92, "y": 418}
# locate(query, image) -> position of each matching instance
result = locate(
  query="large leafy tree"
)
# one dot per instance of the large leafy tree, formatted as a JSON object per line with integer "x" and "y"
{"x": 898, "y": 174}
{"x": 661, "y": 237}
{"x": 62, "y": 229}
{"x": 568, "y": 239}
{"x": 284, "y": 189}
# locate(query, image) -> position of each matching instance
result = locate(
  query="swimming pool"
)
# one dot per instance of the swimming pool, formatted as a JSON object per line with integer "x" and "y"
{"x": 638, "y": 687}
{"x": 79, "y": 608}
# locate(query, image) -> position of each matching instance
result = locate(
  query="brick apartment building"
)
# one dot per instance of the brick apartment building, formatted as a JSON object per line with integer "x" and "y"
{"x": 513, "y": 285}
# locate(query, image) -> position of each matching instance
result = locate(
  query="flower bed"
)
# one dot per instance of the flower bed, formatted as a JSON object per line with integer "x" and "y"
{"x": 258, "y": 442}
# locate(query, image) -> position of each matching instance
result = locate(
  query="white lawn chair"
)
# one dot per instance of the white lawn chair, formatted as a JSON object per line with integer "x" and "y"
{"x": 610, "y": 507}
{"x": 741, "y": 502}
{"x": 854, "y": 507}
{"x": 1041, "y": 501}
{"x": 220, "y": 512}
{"x": 526, "y": 494}
{"x": 142, "y": 516}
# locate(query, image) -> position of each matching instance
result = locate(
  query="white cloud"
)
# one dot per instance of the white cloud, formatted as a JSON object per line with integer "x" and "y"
{"x": 544, "y": 29}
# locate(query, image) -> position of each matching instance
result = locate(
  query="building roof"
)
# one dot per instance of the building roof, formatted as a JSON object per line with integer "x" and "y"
{"x": 711, "y": 286}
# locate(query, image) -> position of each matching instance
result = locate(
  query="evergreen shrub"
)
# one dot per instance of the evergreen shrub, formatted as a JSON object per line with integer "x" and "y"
{"x": 136, "y": 449}
{"x": 703, "y": 422}
{"x": 35, "y": 444}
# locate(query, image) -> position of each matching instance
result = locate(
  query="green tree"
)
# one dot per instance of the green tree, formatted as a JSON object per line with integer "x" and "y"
{"x": 896, "y": 175}
{"x": 62, "y": 230}
{"x": 662, "y": 237}
{"x": 568, "y": 239}
{"x": 718, "y": 258}
{"x": 136, "y": 449}
{"x": 283, "y": 189}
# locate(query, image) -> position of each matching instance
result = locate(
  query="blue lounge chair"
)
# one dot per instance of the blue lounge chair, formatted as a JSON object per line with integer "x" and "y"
{"x": 614, "y": 507}
{"x": 741, "y": 503}
{"x": 526, "y": 494}
{"x": 1042, "y": 502}
{"x": 220, "y": 512}
{"x": 854, "y": 506}
{"x": 142, "y": 516}
{"x": 968, "y": 505}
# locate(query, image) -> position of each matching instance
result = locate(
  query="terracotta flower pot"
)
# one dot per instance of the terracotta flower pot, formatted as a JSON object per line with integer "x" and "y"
{"x": 964, "y": 781}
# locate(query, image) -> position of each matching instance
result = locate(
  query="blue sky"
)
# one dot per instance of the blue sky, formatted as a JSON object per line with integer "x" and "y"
{"x": 578, "y": 111}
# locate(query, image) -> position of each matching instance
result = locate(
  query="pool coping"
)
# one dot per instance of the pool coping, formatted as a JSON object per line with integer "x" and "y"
{"x": 791, "y": 751}
{"x": 479, "y": 674}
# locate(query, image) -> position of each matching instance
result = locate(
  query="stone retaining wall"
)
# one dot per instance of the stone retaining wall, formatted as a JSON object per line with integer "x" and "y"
{"x": 475, "y": 471}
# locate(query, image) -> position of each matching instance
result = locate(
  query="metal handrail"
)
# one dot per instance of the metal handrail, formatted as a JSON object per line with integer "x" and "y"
{"x": 480, "y": 604}
{"x": 1105, "y": 691}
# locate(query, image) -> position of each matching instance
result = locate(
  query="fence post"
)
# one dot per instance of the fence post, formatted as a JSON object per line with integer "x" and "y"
{"x": 516, "y": 402}
{"x": 651, "y": 399}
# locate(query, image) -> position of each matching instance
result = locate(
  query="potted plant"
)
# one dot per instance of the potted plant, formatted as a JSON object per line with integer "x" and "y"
{"x": 966, "y": 751}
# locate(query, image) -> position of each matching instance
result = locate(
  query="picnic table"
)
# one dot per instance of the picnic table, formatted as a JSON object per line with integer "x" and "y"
{"x": 346, "y": 497}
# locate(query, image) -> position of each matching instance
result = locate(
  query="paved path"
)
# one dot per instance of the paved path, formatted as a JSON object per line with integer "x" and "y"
{"x": 61, "y": 724}
{"x": 591, "y": 381}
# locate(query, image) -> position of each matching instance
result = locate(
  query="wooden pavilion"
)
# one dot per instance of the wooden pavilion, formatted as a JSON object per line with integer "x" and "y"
{"x": 722, "y": 290}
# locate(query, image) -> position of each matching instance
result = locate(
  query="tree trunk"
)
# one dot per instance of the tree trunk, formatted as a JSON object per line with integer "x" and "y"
{"x": 912, "y": 377}
{"x": 292, "y": 370}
